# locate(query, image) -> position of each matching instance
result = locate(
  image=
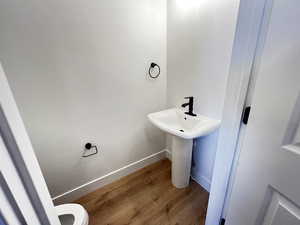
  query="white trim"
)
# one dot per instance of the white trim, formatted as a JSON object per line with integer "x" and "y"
{"x": 93, "y": 185}
{"x": 262, "y": 34}
{"x": 169, "y": 154}
{"x": 203, "y": 182}
{"x": 39, "y": 192}
{"x": 9, "y": 213}
{"x": 244, "y": 49}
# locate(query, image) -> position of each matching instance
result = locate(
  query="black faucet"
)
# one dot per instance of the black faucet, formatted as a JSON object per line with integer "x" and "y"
{"x": 191, "y": 106}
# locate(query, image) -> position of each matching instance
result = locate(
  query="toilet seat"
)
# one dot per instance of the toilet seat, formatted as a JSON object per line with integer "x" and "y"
{"x": 80, "y": 215}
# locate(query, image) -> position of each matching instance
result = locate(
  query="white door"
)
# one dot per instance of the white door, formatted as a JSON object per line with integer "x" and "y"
{"x": 24, "y": 197}
{"x": 266, "y": 190}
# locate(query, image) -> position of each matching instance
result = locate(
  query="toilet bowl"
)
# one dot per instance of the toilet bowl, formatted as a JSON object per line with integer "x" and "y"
{"x": 72, "y": 214}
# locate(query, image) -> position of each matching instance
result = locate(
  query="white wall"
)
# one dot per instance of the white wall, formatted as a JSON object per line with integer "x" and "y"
{"x": 78, "y": 72}
{"x": 200, "y": 39}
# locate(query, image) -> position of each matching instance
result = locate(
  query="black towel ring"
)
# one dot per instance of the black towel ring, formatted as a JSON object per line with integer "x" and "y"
{"x": 152, "y": 66}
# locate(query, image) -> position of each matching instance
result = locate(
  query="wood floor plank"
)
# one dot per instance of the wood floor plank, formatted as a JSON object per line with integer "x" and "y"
{"x": 147, "y": 197}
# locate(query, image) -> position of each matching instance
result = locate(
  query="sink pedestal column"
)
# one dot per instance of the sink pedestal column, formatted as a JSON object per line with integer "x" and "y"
{"x": 181, "y": 161}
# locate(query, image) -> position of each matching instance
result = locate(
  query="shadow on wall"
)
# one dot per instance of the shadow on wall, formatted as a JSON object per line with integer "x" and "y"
{"x": 204, "y": 151}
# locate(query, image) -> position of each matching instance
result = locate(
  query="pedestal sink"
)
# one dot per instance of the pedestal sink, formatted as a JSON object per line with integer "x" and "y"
{"x": 184, "y": 129}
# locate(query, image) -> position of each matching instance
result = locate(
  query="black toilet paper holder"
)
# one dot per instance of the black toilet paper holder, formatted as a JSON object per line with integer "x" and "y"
{"x": 88, "y": 147}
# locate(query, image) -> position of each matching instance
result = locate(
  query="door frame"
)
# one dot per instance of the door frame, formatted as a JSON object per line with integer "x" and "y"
{"x": 244, "y": 53}
{"x": 17, "y": 147}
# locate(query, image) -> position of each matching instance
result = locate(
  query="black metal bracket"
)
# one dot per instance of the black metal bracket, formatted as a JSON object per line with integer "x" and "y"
{"x": 88, "y": 147}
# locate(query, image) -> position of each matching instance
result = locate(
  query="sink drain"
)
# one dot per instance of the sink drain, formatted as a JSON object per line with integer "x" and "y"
{"x": 181, "y": 130}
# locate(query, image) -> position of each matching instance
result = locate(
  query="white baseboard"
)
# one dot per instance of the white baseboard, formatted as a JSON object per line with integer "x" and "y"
{"x": 203, "y": 181}
{"x": 93, "y": 185}
{"x": 169, "y": 154}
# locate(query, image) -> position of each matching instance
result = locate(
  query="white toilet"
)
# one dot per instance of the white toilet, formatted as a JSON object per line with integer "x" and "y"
{"x": 72, "y": 214}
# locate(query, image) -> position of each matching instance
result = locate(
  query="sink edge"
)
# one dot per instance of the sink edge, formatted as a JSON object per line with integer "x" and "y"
{"x": 179, "y": 134}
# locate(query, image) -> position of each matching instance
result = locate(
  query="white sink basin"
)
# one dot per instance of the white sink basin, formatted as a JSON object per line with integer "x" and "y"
{"x": 183, "y": 128}
{"x": 176, "y": 122}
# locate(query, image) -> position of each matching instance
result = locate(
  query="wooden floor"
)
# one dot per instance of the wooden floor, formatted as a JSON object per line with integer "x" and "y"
{"x": 147, "y": 197}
